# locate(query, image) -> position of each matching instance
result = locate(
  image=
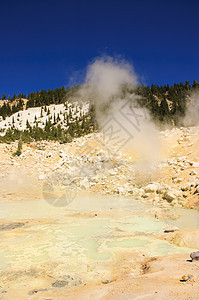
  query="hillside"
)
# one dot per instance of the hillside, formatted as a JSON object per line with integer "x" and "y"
{"x": 91, "y": 166}
{"x": 76, "y": 116}
{"x": 40, "y": 115}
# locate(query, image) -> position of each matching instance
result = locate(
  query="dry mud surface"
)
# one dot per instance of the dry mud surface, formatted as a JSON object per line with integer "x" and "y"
{"x": 99, "y": 233}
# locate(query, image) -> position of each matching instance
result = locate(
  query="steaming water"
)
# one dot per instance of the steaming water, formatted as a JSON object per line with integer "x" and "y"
{"x": 83, "y": 244}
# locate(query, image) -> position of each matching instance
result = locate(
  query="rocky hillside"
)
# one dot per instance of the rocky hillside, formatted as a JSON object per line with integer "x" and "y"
{"x": 85, "y": 165}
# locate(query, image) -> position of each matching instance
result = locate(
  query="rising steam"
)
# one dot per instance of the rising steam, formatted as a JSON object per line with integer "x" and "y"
{"x": 109, "y": 84}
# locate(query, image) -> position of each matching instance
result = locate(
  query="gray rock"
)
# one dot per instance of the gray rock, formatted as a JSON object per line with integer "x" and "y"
{"x": 194, "y": 255}
{"x": 10, "y": 226}
{"x": 171, "y": 229}
{"x": 60, "y": 283}
{"x": 67, "y": 280}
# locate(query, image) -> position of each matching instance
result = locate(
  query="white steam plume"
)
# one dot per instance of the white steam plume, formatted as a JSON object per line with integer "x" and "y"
{"x": 109, "y": 83}
{"x": 107, "y": 76}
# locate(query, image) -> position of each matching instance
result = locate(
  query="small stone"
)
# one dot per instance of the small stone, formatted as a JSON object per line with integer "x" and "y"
{"x": 107, "y": 281}
{"x": 33, "y": 292}
{"x": 186, "y": 277}
{"x": 192, "y": 173}
{"x": 194, "y": 255}
{"x": 171, "y": 229}
{"x": 60, "y": 283}
{"x": 186, "y": 187}
{"x": 145, "y": 196}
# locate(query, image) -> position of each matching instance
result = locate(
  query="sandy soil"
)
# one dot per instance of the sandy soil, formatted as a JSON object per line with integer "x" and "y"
{"x": 132, "y": 277}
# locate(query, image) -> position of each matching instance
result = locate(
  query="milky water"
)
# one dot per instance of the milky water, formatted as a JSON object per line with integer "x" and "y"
{"x": 85, "y": 236}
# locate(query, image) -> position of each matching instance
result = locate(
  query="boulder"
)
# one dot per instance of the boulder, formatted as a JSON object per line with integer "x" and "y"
{"x": 186, "y": 187}
{"x": 194, "y": 255}
{"x": 162, "y": 189}
{"x": 151, "y": 188}
{"x": 193, "y": 172}
{"x": 169, "y": 196}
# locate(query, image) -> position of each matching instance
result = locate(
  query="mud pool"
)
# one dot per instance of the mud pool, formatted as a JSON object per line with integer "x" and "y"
{"x": 83, "y": 238}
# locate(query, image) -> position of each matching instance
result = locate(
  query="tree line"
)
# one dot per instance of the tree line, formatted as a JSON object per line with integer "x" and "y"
{"x": 76, "y": 127}
{"x": 167, "y": 104}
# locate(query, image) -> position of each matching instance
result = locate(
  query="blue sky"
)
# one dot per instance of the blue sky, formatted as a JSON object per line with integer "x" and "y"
{"x": 45, "y": 43}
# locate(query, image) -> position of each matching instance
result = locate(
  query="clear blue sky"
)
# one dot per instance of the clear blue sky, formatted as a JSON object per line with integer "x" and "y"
{"x": 43, "y": 43}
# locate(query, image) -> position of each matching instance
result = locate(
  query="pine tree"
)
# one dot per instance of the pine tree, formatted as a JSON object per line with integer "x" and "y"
{"x": 194, "y": 85}
{"x": 19, "y": 149}
{"x": 164, "y": 110}
{"x": 187, "y": 85}
{"x": 27, "y": 124}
